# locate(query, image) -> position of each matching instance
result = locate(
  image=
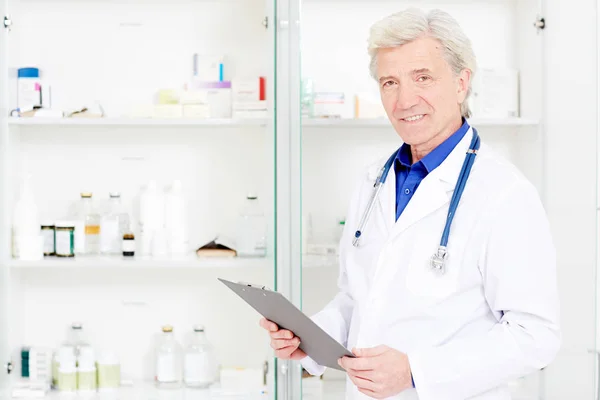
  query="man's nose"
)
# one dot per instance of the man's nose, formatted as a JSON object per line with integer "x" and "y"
{"x": 406, "y": 97}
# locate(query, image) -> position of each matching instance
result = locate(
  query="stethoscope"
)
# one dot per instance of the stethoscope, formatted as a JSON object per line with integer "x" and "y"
{"x": 438, "y": 259}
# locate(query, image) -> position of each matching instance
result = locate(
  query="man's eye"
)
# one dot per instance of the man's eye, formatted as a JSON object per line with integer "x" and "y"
{"x": 388, "y": 83}
{"x": 423, "y": 78}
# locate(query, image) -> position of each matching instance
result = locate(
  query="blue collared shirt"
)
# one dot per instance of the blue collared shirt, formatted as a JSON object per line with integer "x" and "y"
{"x": 409, "y": 175}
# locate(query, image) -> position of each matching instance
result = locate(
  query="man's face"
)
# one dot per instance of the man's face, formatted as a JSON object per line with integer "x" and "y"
{"x": 420, "y": 93}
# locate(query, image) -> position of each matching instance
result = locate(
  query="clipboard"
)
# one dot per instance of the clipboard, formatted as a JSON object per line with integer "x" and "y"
{"x": 314, "y": 341}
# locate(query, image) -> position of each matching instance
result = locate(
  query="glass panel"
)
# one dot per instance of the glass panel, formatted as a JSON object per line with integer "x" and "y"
{"x": 4, "y": 167}
{"x": 345, "y": 130}
{"x": 168, "y": 105}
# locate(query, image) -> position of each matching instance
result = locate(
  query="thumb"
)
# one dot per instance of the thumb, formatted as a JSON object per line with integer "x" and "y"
{"x": 371, "y": 351}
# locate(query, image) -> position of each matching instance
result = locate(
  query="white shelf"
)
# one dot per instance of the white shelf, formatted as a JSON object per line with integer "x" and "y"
{"x": 327, "y": 390}
{"x": 33, "y": 121}
{"x": 143, "y": 262}
{"x": 85, "y": 262}
{"x": 384, "y": 123}
{"x": 225, "y": 123}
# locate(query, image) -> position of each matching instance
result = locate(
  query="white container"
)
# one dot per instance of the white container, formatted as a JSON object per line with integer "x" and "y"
{"x": 113, "y": 226}
{"x": 168, "y": 360}
{"x": 208, "y": 68}
{"x": 199, "y": 362}
{"x": 67, "y": 372}
{"x": 496, "y": 93}
{"x": 251, "y": 230}
{"x": 149, "y": 218}
{"x": 176, "y": 218}
{"x": 25, "y": 225}
{"x": 29, "y": 87}
{"x": 65, "y": 239}
{"x": 109, "y": 372}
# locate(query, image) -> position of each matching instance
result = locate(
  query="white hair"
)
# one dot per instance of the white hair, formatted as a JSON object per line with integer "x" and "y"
{"x": 408, "y": 25}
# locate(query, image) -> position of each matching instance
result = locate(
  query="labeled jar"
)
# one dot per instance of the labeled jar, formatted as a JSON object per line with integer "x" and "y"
{"x": 65, "y": 239}
{"x": 109, "y": 372}
{"x": 48, "y": 230}
{"x": 67, "y": 374}
{"x": 128, "y": 244}
{"x": 86, "y": 369}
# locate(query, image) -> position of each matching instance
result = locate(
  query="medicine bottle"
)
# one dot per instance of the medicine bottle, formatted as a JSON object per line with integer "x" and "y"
{"x": 168, "y": 360}
{"x": 199, "y": 362}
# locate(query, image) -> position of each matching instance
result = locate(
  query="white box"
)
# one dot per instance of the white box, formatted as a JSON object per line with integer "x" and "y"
{"x": 193, "y": 97}
{"x": 246, "y": 90}
{"x": 329, "y": 105}
{"x": 168, "y": 111}
{"x": 196, "y": 111}
{"x": 208, "y": 68}
{"x": 495, "y": 93}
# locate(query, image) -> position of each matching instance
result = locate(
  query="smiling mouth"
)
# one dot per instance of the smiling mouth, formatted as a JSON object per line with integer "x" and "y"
{"x": 413, "y": 118}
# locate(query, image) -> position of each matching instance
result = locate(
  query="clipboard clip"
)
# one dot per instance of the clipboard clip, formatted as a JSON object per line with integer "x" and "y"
{"x": 254, "y": 286}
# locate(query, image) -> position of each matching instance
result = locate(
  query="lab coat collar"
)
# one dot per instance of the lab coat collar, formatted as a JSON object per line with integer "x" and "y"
{"x": 433, "y": 192}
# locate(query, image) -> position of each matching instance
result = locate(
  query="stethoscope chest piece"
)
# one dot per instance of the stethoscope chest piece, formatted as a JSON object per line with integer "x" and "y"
{"x": 438, "y": 260}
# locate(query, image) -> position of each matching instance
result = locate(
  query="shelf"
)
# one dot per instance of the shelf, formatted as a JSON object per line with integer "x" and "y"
{"x": 193, "y": 262}
{"x": 324, "y": 390}
{"x": 384, "y": 123}
{"x": 225, "y": 123}
{"x": 143, "y": 262}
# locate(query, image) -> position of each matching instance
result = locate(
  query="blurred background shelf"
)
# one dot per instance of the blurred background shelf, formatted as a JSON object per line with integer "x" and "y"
{"x": 307, "y": 122}
{"x": 309, "y": 261}
{"x": 137, "y": 122}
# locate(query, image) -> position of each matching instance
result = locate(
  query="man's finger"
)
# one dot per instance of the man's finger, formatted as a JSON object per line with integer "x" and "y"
{"x": 282, "y": 334}
{"x": 269, "y": 325}
{"x": 358, "y": 364}
{"x": 285, "y": 353}
{"x": 370, "y": 375}
{"x": 283, "y": 343}
{"x": 370, "y": 351}
{"x": 362, "y": 383}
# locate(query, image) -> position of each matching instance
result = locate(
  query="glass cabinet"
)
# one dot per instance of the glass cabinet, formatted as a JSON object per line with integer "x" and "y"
{"x": 225, "y": 138}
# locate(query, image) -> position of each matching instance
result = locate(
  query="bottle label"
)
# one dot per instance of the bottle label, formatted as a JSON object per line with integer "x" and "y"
{"x": 92, "y": 229}
{"x": 165, "y": 368}
{"x": 64, "y": 243}
{"x": 197, "y": 368}
{"x": 48, "y": 241}
{"x": 109, "y": 235}
{"x": 128, "y": 246}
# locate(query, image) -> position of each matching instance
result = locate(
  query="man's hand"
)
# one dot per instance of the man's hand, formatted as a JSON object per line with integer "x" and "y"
{"x": 284, "y": 342}
{"x": 378, "y": 372}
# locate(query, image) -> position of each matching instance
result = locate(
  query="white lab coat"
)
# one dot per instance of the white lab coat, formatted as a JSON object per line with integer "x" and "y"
{"x": 492, "y": 317}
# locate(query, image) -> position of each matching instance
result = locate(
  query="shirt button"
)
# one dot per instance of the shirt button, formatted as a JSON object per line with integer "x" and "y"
{"x": 406, "y": 191}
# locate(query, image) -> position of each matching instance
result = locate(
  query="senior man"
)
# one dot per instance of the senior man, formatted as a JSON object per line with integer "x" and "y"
{"x": 447, "y": 287}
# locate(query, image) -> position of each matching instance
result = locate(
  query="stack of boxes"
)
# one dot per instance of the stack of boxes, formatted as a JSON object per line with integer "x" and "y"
{"x": 209, "y": 95}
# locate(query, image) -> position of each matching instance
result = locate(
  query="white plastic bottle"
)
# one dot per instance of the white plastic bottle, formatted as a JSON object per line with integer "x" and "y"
{"x": 168, "y": 360}
{"x": 251, "y": 230}
{"x": 176, "y": 220}
{"x": 199, "y": 363}
{"x": 113, "y": 226}
{"x": 27, "y": 240}
{"x": 147, "y": 218}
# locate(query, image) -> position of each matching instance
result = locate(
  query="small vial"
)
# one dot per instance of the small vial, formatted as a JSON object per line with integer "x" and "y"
{"x": 128, "y": 244}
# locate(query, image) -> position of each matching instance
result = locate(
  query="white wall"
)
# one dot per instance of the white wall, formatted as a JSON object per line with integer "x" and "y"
{"x": 571, "y": 197}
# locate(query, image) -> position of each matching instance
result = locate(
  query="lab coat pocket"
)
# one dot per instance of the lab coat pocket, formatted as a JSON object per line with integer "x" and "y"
{"x": 421, "y": 278}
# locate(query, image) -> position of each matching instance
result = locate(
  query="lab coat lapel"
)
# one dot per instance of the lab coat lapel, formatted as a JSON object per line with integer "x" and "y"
{"x": 386, "y": 201}
{"x": 435, "y": 190}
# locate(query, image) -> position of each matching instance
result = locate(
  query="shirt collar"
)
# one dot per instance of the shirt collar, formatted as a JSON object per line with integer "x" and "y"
{"x": 433, "y": 160}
